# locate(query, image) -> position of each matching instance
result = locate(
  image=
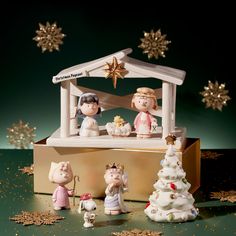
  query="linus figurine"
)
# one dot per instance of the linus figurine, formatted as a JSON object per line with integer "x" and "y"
{"x": 144, "y": 100}
{"x": 117, "y": 183}
{"x": 88, "y": 205}
{"x": 61, "y": 174}
{"x": 88, "y": 107}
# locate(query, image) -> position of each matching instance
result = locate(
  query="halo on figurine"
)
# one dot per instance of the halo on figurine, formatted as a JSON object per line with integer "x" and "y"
{"x": 119, "y": 127}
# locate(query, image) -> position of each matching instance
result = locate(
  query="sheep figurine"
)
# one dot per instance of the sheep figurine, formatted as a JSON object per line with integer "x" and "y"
{"x": 88, "y": 205}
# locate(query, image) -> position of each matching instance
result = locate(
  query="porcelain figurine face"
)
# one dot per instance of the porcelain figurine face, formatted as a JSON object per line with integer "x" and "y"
{"x": 88, "y": 104}
{"x": 89, "y": 109}
{"x": 113, "y": 176}
{"x": 143, "y": 103}
{"x": 60, "y": 173}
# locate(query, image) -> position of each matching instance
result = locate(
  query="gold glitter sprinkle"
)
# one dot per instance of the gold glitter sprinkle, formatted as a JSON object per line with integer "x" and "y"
{"x": 223, "y": 196}
{"x": 137, "y": 232}
{"x": 36, "y": 218}
{"x": 210, "y": 155}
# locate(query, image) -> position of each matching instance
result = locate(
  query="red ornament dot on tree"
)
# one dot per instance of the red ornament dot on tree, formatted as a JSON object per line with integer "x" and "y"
{"x": 172, "y": 186}
{"x": 147, "y": 205}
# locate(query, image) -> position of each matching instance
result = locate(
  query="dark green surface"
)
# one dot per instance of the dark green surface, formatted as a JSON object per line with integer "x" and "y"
{"x": 16, "y": 194}
{"x": 199, "y": 46}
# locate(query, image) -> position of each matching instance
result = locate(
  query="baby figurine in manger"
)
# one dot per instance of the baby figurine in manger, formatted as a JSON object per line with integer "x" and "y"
{"x": 144, "y": 100}
{"x": 88, "y": 107}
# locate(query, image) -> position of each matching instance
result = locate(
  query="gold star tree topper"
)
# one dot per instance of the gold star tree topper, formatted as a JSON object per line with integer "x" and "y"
{"x": 49, "y": 37}
{"x": 115, "y": 71}
{"x": 154, "y": 44}
{"x": 21, "y": 135}
{"x": 215, "y": 95}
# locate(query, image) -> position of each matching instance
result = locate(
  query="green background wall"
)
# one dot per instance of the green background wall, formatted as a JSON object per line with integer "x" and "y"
{"x": 28, "y": 93}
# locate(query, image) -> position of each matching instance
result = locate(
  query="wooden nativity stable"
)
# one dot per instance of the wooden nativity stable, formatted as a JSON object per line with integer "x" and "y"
{"x": 89, "y": 155}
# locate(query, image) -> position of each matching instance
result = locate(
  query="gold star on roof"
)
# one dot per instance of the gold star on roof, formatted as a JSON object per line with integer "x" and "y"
{"x": 115, "y": 71}
{"x": 49, "y": 37}
{"x": 36, "y": 218}
{"x": 215, "y": 95}
{"x": 154, "y": 44}
{"x": 21, "y": 135}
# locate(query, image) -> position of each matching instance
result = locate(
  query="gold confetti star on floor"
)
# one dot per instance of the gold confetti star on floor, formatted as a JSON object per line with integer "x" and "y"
{"x": 154, "y": 44}
{"x": 210, "y": 155}
{"x": 36, "y": 218}
{"x": 137, "y": 232}
{"x": 229, "y": 196}
{"x": 29, "y": 170}
{"x": 115, "y": 71}
{"x": 215, "y": 95}
{"x": 21, "y": 135}
{"x": 49, "y": 37}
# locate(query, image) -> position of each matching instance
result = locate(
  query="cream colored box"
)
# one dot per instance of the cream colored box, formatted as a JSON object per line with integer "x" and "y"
{"x": 142, "y": 167}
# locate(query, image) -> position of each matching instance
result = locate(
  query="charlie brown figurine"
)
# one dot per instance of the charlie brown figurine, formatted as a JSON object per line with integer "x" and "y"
{"x": 144, "y": 100}
{"x": 117, "y": 183}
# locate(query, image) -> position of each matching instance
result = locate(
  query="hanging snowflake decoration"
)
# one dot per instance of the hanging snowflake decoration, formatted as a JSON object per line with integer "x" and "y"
{"x": 154, "y": 44}
{"x": 49, "y": 37}
{"x": 21, "y": 135}
{"x": 115, "y": 71}
{"x": 215, "y": 95}
{"x": 36, "y": 218}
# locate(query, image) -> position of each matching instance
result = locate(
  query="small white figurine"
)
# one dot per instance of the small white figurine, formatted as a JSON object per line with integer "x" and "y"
{"x": 144, "y": 100}
{"x": 61, "y": 174}
{"x": 117, "y": 183}
{"x": 88, "y": 107}
{"x": 88, "y": 205}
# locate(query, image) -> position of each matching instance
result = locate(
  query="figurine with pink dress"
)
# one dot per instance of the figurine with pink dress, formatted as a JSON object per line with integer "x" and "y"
{"x": 144, "y": 100}
{"x": 88, "y": 108}
{"x": 117, "y": 183}
{"x": 61, "y": 174}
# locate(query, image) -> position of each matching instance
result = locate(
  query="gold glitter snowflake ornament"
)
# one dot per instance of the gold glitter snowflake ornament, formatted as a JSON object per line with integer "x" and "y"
{"x": 154, "y": 44}
{"x": 49, "y": 37}
{"x": 21, "y": 135}
{"x": 215, "y": 95}
{"x": 36, "y": 218}
{"x": 115, "y": 71}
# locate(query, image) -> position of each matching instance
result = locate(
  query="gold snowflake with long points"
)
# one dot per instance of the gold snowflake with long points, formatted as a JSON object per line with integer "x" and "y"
{"x": 229, "y": 196}
{"x": 49, "y": 37}
{"x": 36, "y": 218}
{"x": 215, "y": 95}
{"x": 154, "y": 44}
{"x": 137, "y": 232}
{"x": 115, "y": 71}
{"x": 21, "y": 135}
{"x": 29, "y": 170}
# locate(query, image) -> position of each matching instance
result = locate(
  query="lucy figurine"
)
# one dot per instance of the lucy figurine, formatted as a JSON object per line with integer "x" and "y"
{"x": 88, "y": 205}
{"x": 88, "y": 107}
{"x": 61, "y": 174}
{"x": 144, "y": 100}
{"x": 117, "y": 183}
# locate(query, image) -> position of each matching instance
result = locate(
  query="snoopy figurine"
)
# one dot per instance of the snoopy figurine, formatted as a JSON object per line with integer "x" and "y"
{"x": 88, "y": 205}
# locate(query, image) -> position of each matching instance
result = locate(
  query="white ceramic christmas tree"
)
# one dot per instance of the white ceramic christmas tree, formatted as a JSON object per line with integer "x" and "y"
{"x": 171, "y": 202}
